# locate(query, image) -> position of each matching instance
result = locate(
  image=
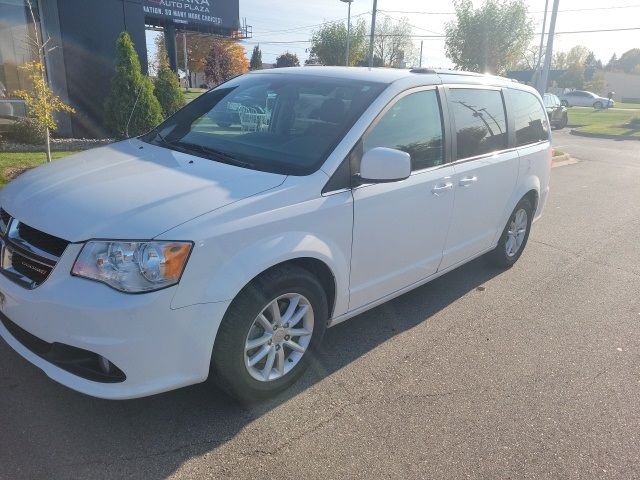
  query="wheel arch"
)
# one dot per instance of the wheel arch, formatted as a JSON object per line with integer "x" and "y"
{"x": 530, "y": 189}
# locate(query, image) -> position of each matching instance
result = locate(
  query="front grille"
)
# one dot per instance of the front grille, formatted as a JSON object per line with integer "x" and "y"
{"x": 28, "y": 255}
{"x": 43, "y": 241}
{"x": 28, "y": 267}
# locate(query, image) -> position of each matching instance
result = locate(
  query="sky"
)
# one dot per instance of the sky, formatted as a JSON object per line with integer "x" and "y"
{"x": 287, "y": 25}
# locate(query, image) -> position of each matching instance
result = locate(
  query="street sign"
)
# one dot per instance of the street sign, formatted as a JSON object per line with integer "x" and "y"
{"x": 222, "y": 14}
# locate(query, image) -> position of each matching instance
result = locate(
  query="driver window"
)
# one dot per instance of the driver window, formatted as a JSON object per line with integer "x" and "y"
{"x": 414, "y": 125}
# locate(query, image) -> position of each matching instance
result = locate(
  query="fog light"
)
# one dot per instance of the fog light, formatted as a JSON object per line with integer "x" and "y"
{"x": 105, "y": 365}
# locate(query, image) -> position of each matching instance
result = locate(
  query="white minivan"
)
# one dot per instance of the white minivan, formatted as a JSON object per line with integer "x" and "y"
{"x": 221, "y": 244}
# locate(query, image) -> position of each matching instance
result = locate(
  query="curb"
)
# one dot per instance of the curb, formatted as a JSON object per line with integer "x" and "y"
{"x": 562, "y": 160}
{"x": 602, "y": 135}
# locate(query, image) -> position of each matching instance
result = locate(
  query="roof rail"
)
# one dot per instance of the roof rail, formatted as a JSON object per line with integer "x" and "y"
{"x": 422, "y": 70}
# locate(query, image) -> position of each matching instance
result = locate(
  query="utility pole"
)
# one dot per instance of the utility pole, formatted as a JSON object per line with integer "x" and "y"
{"x": 373, "y": 32}
{"x": 187, "y": 75}
{"x": 536, "y": 71}
{"x": 421, "y": 44}
{"x": 348, "y": 2}
{"x": 544, "y": 78}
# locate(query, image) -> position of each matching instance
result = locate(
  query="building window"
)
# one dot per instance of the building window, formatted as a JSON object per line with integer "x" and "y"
{"x": 16, "y": 28}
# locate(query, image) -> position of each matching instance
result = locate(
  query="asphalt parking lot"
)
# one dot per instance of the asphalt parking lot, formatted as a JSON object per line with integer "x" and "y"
{"x": 529, "y": 373}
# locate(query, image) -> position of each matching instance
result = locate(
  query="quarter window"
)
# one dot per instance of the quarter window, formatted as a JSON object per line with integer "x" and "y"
{"x": 414, "y": 125}
{"x": 529, "y": 118}
{"x": 481, "y": 126}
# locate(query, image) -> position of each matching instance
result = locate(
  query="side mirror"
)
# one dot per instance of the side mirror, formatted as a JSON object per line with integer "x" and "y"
{"x": 382, "y": 164}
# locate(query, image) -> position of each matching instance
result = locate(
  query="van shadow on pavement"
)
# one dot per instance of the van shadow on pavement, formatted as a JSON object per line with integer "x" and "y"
{"x": 48, "y": 431}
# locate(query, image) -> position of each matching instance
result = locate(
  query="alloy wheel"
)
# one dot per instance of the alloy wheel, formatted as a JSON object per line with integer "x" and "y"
{"x": 279, "y": 337}
{"x": 516, "y": 232}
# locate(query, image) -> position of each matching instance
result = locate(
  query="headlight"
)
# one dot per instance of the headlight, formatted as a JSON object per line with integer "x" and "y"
{"x": 133, "y": 267}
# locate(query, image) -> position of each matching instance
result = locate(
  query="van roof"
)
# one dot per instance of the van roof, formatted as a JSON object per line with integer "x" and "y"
{"x": 390, "y": 75}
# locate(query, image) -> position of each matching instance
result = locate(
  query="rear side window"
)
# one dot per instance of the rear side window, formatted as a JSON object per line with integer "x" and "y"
{"x": 481, "y": 125}
{"x": 529, "y": 118}
{"x": 414, "y": 125}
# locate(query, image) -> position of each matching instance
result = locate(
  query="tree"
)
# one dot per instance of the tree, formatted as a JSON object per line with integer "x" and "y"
{"x": 287, "y": 59}
{"x": 559, "y": 61}
{"x": 629, "y": 60}
{"x": 578, "y": 59}
{"x": 489, "y": 38}
{"x": 198, "y": 47}
{"x": 40, "y": 101}
{"x": 131, "y": 107}
{"x": 167, "y": 89}
{"x": 596, "y": 84}
{"x": 256, "y": 58}
{"x": 613, "y": 62}
{"x": 226, "y": 59}
{"x": 329, "y": 43}
{"x": 392, "y": 44}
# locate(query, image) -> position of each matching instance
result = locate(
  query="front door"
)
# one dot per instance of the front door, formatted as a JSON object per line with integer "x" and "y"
{"x": 400, "y": 227}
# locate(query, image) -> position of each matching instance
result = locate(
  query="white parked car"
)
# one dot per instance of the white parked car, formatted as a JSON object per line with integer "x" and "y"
{"x": 216, "y": 251}
{"x": 581, "y": 98}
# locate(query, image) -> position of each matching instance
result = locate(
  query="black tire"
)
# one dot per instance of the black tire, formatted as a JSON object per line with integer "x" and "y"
{"x": 498, "y": 256}
{"x": 564, "y": 103}
{"x": 228, "y": 368}
{"x": 598, "y": 105}
{"x": 564, "y": 120}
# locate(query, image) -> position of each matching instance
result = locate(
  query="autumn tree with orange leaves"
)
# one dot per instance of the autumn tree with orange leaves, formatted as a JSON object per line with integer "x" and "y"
{"x": 225, "y": 59}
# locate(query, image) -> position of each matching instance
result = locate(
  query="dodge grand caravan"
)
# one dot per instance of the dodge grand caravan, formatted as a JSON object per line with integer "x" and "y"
{"x": 221, "y": 244}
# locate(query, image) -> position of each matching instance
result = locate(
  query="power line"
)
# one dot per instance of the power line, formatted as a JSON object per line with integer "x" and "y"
{"x": 303, "y": 27}
{"x": 411, "y": 25}
{"x": 409, "y": 12}
{"x": 427, "y": 37}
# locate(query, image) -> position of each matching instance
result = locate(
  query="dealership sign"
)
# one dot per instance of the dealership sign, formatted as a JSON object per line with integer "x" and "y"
{"x": 215, "y": 13}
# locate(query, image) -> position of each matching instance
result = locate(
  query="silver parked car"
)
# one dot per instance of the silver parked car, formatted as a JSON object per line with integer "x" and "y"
{"x": 582, "y": 98}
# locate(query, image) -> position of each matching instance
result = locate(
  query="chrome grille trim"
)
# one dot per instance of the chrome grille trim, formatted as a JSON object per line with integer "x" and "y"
{"x": 33, "y": 265}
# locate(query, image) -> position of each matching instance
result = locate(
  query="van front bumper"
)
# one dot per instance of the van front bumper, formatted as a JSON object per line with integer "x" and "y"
{"x": 156, "y": 348}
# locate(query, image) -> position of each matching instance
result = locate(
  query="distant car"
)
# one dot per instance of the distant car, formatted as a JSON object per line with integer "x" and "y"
{"x": 556, "y": 111}
{"x": 582, "y": 98}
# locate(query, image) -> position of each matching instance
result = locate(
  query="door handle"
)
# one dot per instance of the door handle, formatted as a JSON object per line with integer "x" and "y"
{"x": 467, "y": 181}
{"x": 441, "y": 188}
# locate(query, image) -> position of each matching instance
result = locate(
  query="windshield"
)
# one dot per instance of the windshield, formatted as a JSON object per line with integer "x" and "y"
{"x": 273, "y": 122}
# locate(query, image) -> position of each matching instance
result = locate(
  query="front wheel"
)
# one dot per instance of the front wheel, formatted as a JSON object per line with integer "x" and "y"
{"x": 514, "y": 236}
{"x": 269, "y": 332}
{"x": 598, "y": 105}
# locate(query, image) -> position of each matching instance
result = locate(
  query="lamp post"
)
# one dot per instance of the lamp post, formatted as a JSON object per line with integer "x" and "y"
{"x": 348, "y": 2}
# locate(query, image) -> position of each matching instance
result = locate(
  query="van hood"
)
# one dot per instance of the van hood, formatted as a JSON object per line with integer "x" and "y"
{"x": 127, "y": 190}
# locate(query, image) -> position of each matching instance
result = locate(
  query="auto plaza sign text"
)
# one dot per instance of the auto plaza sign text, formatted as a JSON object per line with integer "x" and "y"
{"x": 209, "y": 12}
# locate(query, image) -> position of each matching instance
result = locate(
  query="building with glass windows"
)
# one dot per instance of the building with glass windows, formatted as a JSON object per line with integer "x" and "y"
{"x": 82, "y": 34}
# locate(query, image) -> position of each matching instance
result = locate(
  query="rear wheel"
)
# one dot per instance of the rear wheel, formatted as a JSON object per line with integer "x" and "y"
{"x": 269, "y": 333}
{"x": 514, "y": 236}
{"x": 564, "y": 120}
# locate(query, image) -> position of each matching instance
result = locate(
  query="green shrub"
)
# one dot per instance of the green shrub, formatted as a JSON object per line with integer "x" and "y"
{"x": 128, "y": 84}
{"x": 26, "y": 130}
{"x": 167, "y": 89}
{"x": 634, "y": 122}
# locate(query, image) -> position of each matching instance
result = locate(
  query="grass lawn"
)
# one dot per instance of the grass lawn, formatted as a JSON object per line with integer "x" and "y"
{"x": 192, "y": 93}
{"x": 609, "y": 122}
{"x": 635, "y": 106}
{"x": 13, "y": 163}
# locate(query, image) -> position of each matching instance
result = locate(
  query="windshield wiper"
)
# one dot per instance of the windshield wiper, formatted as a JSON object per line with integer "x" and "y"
{"x": 213, "y": 154}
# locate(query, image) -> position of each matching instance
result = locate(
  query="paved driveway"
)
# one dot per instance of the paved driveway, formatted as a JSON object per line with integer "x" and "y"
{"x": 529, "y": 373}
